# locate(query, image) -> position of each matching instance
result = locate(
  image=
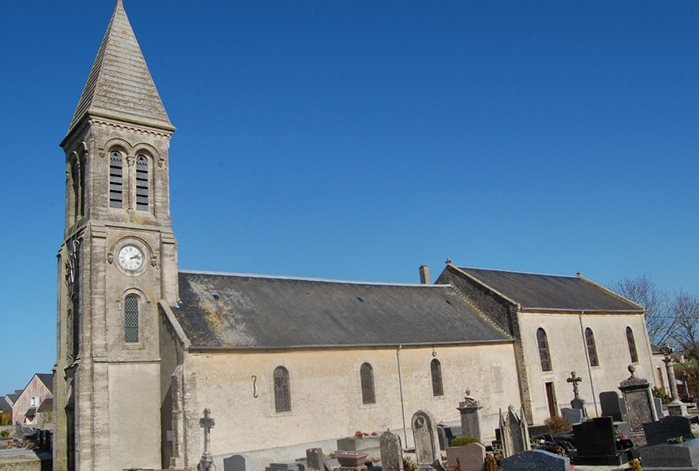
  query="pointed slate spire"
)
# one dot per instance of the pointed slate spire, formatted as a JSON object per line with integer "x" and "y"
{"x": 120, "y": 85}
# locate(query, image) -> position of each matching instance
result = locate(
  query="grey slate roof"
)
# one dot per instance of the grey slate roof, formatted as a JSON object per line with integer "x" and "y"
{"x": 533, "y": 291}
{"x": 246, "y": 311}
{"x": 4, "y": 405}
{"x": 47, "y": 379}
{"x": 120, "y": 84}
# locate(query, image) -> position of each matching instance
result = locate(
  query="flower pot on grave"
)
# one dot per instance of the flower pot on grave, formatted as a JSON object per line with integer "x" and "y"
{"x": 351, "y": 459}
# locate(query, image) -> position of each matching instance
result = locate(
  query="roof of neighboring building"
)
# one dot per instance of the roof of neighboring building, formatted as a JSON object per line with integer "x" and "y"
{"x": 46, "y": 405}
{"x": 248, "y": 311}
{"x": 534, "y": 291}
{"x": 120, "y": 84}
{"x": 47, "y": 379}
{"x": 4, "y": 405}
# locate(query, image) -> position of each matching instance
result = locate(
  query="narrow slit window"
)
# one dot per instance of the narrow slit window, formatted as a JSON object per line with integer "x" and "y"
{"x": 131, "y": 319}
{"x": 632, "y": 345}
{"x": 282, "y": 396}
{"x": 142, "y": 183}
{"x": 436, "y": 373}
{"x": 544, "y": 354}
{"x": 116, "y": 190}
{"x": 591, "y": 347}
{"x": 366, "y": 373}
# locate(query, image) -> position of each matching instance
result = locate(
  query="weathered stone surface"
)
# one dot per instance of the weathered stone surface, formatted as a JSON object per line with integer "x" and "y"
{"x": 468, "y": 457}
{"x": 425, "y": 436}
{"x": 391, "y": 452}
{"x": 535, "y": 460}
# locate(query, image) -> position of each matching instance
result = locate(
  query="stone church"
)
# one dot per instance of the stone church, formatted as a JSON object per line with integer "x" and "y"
{"x": 283, "y": 364}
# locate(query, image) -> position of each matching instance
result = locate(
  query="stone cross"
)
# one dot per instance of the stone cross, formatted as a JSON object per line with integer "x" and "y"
{"x": 575, "y": 380}
{"x": 676, "y": 407}
{"x": 207, "y": 423}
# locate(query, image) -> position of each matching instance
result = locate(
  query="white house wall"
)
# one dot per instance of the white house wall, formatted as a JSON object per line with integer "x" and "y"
{"x": 326, "y": 401}
{"x": 567, "y": 348}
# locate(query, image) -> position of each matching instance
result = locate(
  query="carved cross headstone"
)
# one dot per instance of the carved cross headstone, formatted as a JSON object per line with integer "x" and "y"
{"x": 577, "y": 402}
{"x": 207, "y": 423}
{"x": 575, "y": 380}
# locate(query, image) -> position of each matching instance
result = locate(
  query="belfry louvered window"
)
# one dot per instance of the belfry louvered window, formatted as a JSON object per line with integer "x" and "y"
{"x": 116, "y": 189}
{"x": 142, "y": 183}
{"x": 436, "y": 373}
{"x": 632, "y": 345}
{"x": 131, "y": 319}
{"x": 591, "y": 347}
{"x": 366, "y": 374}
{"x": 282, "y": 396}
{"x": 544, "y": 354}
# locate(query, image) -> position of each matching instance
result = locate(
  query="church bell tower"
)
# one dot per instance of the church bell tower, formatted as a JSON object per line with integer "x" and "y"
{"x": 118, "y": 260}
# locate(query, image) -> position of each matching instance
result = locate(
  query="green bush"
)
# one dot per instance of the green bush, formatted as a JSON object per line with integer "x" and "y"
{"x": 665, "y": 397}
{"x": 461, "y": 441}
{"x": 4, "y": 434}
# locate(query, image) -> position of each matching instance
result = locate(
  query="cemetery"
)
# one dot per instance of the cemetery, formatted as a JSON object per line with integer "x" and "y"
{"x": 633, "y": 432}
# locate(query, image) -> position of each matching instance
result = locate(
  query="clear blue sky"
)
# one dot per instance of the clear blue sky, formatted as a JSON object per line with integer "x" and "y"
{"x": 359, "y": 140}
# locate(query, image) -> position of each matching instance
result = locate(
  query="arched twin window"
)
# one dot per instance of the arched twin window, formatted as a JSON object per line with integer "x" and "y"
{"x": 116, "y": 181}
{"x": 544, "y": 354}
{"x": 131, "y": 334}
{"x": 366, "y": 375}
{"x": 436, "y": 373}
{"x": 591, "y": 347}
{"x": 632, "y": 345}
{"x": 282, "y": 396}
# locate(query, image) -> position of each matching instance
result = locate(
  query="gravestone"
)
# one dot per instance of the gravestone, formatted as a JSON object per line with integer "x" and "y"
{"x": 676, "y": 407}
{"x": 470, "y": 417}
{"x": 236, "y": 463}
{"x": 659, "y": 410}
{"x": 575, "y": 416}
{"x": 315, "y": 461}
{"x": 514, "y": 434}
{"x": 469, "y": 457}
{"x": 667, "y": 428}
{"x": 612, "y": 406}
{"x": 577, "y": 402}
{"x": 535, "y": 460}
{"x": 596, "y": 443}
{"x": 282, "y": 467}
{"x": 640, "y": 408}
{"x": 425, "y": 438}
{"x": 206, "y": 462}
{"x": 681, "y": 456}
{"x": 446, "y": 434}
{"x": 391, "y": 452}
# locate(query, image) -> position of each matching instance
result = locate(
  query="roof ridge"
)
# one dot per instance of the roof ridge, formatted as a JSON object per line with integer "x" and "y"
{"x": 322, "y": 280}
{"x": 516, "y": 272}
{"x": 102, "y": 94}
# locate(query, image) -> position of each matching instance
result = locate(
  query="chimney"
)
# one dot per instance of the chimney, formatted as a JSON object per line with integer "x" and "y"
{"x": 424, "y": 275}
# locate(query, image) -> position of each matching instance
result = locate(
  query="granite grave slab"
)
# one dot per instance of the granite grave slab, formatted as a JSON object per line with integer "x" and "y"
{"x": 535, "y": 460}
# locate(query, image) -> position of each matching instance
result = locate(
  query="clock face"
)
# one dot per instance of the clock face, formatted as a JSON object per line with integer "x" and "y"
{"x": 130, "y": 258}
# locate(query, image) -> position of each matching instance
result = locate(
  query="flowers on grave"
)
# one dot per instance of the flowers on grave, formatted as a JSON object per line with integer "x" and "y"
{"x": 375, "y": 459}
{"x": 373, "y": 434}
{"x": 674, "y": 440}
{"x": 360, "y": 434}
{"x": 618, "y": 436}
